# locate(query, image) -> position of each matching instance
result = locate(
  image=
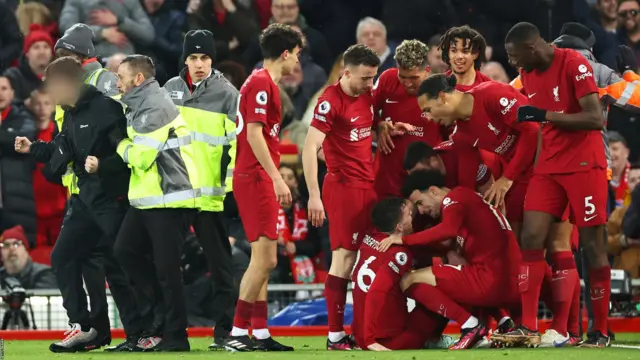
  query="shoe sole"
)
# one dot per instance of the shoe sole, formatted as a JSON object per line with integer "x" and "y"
{"x": 231, "y": 349}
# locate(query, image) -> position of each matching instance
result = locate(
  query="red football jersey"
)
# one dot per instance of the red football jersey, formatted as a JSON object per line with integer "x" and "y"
{"x": 558, "y": 89}
{"x": 483, "y": 234}
{"x": 347, "y": 122}
{"x": 259, "y": 101}
{"x": 393, "y": 104}
{"x": 494, "y": 126}
{"x": 378, "y": 274}
{"x": 463, "y": 165}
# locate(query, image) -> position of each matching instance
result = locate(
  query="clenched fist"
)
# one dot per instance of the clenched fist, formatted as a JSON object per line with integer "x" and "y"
{"x": 91, "y": 164}
{"x": 22, "y": 145}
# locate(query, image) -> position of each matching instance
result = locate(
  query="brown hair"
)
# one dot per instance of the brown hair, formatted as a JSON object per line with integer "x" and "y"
{"x": 67, "y": 67}
{"x": 411, "y": 54}
{"x": 477, "y": 43}
{"x": 32, "y": 13}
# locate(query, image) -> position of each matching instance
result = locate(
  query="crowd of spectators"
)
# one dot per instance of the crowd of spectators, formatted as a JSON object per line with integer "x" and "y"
{"x": 29, "y": 29}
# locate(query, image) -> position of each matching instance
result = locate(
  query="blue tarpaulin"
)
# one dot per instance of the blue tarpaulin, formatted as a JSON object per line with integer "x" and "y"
{"x": 307, "y": 313}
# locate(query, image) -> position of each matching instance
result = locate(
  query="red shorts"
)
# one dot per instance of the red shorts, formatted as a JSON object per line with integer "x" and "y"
{"x": 472, "y": 285}
{"x": 347, "y": 211}
{"x": 423, "y": 326}
{"x": 257, "y": 205}
{"x": 515, "y": 201}
{"x": 584, "y": 192}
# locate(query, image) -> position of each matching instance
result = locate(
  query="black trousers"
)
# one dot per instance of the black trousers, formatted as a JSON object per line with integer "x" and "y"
{"x": 212, "y": 234}
{"x": 84, "y": 250}
{"x": 162, "y": 233}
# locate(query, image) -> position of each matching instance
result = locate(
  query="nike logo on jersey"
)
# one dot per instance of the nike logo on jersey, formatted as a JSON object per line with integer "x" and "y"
{"x": 531, "y": 95}
{"x": 389, "y": 101}
{"x": 355, "y": 118}
{"x": 528, "y": 117}
{"x": 587, "y": 219}
{"x": 83, "y": 126}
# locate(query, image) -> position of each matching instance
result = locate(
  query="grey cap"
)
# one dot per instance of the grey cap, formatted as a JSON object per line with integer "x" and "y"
{"x": 78, "y": 39}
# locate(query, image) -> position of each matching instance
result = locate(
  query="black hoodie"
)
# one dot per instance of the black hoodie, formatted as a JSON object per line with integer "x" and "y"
{"x": 23, "y": 79}
{"x": 91, "y": 128}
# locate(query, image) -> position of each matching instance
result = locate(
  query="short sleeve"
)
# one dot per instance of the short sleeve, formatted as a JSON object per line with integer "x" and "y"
{"x": 324, "y": 113}
{"x": 453, "y": 204}
{"x": 580, "y": 76}
{"x": 257, "y": 98}
{"x": 400, "y": 260}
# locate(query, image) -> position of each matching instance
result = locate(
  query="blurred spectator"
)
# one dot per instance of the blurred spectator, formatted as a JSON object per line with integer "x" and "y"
{"x": 36, "y": 55}
{"x": 417, "y": 19}
{"x": 263, "y": 11}
{"x": 18, "y": 264}
{"x": 288, "y": 12}
{"x": 117, "y": 25}
{"x": 629, "y": 24}
{"x": 334, "y": 76}
{"x": 305, "y": 80}
{"x": 620, "y": 168}
{"x": 50, "y": 198}
{"x": 293, "y": 131}
{"x": 10, "y": 37}
{"x": 435, "y": 56}
{"x": 623, "y": 230}
{"x": 372, "y": 33}
{"x": 234, "y": 26}
{"x": 166, "y": 49}
{"x": 36, "y": 13}
{"x": 114, "y": 61}
{"x": 606, "y": 12}
{"x": 495, "y": 71}
{"x": 16, "y": 170}
{"x": 233, "y": 72}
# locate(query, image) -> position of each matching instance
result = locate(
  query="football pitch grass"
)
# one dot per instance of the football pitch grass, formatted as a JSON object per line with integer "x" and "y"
{"x": 627, "y": 347}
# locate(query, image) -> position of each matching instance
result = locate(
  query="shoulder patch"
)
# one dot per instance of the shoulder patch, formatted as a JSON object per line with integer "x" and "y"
{"x": 401, "y": 258}
{"x": 261, "y": 97}
{"x": 324, "y": 107}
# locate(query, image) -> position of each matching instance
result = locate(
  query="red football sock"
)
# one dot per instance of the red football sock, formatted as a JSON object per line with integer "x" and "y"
{"x": 573, "y": 326}
{"x": 600, "y": 291}
{"x": 436, "y": 301}
{"x": 242, "y": 317}
{"x": 529, "y": 282}
{"x": 546, "y": 295}
{"x": 562, "y": 285}
{"x": 335, "y": 291}
{"x": 259, "y": 315}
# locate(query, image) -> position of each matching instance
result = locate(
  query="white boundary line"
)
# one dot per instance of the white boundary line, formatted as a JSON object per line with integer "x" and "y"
{"x": 636, "y": 347}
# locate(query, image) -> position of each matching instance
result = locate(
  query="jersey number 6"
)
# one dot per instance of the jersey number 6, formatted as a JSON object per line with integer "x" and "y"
{"x": 366, "y": 272}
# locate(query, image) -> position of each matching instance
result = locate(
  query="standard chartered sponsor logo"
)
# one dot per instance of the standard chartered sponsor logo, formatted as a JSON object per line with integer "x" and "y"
{"x": 357, "y": 134}
{"x": 506, "y": 145}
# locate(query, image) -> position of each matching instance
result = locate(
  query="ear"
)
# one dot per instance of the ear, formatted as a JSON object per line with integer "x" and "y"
{"x": 432, "y": 190}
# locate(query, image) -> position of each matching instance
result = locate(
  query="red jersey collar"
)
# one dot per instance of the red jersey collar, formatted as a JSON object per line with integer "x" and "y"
{"x": 5, "y": 113}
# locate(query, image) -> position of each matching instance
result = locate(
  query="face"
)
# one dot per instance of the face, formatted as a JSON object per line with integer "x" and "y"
{"x": 619, "y": 155}
{"x": 290, "y": 60}
{"x": 495, "y": 72}
{"x": 285, "y": 11}
{"x": 405, "y": 226}
{"x": 412, "y": 78}
{"x": 292, "y": 81}
{"x": 42, "y": 105}
{"x": 435, "y": 60}
{"x": 428, "y": 202}
{"x": 360, "y": 78}
{"x": 153, "y": 5}
{"x": 521, "y": 56}
{"x": 633, "y": 178}
{"x": 39, "y": 54}
{"x": 64, "y": 91}
{"x": 127, "y": 79}
{"x": 6, "y": 93}
{"x": 461, "y": 57}
{"x": 13, "y": 251}
{"x": 373, "y": 37}
{"x": 629, "y": 15}
{"x": 440, "y": 110}
{"x": 432, "y": 163}
{"x": 607, "y": 8}
{"x": 199, "y": 66}
{"x": 289, "y": 177}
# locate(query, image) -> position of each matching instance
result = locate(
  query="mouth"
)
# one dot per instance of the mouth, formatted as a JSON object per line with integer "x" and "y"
{"x": 200, "y": 73}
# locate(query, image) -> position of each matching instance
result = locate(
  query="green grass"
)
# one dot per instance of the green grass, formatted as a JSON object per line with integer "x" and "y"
{"x": 313, "y": 348}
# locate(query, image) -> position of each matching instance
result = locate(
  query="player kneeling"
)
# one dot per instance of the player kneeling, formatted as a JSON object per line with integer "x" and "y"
{"x": 382, "y": 321}
{"x": 484, "y": 238}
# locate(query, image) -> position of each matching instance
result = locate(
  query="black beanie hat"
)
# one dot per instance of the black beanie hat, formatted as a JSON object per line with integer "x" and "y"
{"x": 199, "y": 42}
{"x": 580, "y": 31}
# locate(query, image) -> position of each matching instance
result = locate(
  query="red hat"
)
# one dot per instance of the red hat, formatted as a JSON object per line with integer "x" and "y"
{"x": 36, "y": 33}
{"x": 16, "y": 232}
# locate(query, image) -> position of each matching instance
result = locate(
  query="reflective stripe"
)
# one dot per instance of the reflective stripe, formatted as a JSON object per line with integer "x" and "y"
{"x": 125, "y": 158}
{"x": 229, "y": 173}
{"x": 209, "y": 139}
{"x": 212, "y": 191}
{"x": 177, "y": 142}
{"x": 232, "y": 136}
{"x": 627, "y": 93}
{"x": 155, "y": 144}
{"x": 164, "y": 199}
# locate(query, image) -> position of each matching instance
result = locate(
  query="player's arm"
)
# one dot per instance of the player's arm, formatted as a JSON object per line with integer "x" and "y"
{"x": 255, "y": 138}
{"x": 257, "y": 100}
{"x": 320, "y": 126}
{"x": 526, "y": 149}
{"x": 590, "y": 118}
{"x": 452, "y": 219}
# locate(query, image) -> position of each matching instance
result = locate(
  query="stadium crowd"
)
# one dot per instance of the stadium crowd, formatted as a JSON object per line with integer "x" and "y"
{"x": 397, "y": 132}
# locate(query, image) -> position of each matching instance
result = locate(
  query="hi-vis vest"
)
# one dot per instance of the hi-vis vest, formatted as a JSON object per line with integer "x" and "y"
{"x": 158, "y": 150}
{"x": 69, "y": 179}
{"x": 210, "y": 113}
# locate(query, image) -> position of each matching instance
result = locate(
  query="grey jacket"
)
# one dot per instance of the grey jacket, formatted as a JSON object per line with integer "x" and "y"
{"x": 106, "y": 82}
{"x": 132, "y": 21}
{"x": 34, "y": 276}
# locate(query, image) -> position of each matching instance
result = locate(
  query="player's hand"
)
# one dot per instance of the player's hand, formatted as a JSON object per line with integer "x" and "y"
{"x": 401, "y": 128}
{"x": 498, "y": 191}
{"x": 22, "y": 145}
{"x": 316, "y": 211}
{"x": 91, "y": 164}
{"x": 290, "y": 247}
{"x": 388, "y": 242}
{"x": 626, "y": 59}
{"x": 377, "y": 347}
{"x": 385, "y": 144}
{"x": 283, "y": 193}
{"x": 531, "y": 113}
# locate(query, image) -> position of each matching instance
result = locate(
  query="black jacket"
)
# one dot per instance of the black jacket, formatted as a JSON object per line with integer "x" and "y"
{"x": 16, "y": 173}
{"x": 10, "y": 37}
{"x": 92, "y": 128}
{"x": 631, "y": 220}
{"x": 23, "y": 79}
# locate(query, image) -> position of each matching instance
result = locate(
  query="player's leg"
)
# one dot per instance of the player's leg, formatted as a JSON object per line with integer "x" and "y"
{"x": 514, "y": 203}
{"x": 588, "y": 199}
{"x": 423, "y": 325}
{"x": 541, "y": 210}
{"x": 342, "y": 261}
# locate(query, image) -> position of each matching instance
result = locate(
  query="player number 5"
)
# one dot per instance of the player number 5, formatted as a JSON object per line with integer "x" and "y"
{"x": 239, "y": 119}
{"x": 589, "y": 208}
{"x": 366, "y": 272}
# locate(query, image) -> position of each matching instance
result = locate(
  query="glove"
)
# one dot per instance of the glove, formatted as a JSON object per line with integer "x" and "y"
{"x": 531, "y": 113}
{"x": 626, "y": 59}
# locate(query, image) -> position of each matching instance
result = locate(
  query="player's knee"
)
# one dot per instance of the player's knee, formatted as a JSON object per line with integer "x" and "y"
{"x": 342, "y": 262}
{"x": 592, "y": 242}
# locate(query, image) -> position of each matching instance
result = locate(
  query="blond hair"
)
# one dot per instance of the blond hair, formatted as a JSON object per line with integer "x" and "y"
{"x": 32, "y": 13}
{"x": 411, "y": 54}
